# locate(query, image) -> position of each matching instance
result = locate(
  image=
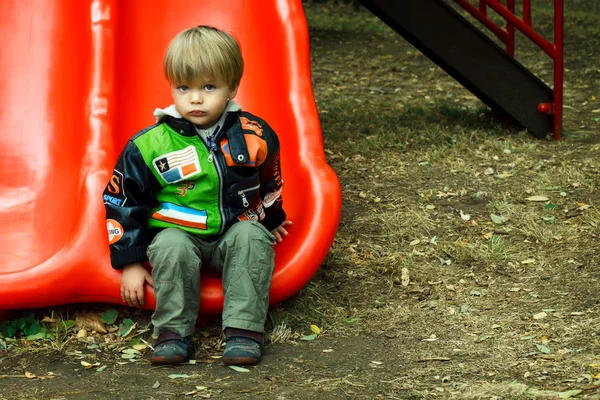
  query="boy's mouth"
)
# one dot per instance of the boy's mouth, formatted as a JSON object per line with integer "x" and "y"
{"x": 197, "y": 113}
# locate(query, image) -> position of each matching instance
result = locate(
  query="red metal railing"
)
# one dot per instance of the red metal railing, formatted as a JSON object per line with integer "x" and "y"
{"x": 506, "y": 35}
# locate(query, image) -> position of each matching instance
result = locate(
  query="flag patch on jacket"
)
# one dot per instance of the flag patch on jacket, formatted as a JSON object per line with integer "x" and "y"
{"x": 177, "y": 165}
{"x": 182, "y": 216}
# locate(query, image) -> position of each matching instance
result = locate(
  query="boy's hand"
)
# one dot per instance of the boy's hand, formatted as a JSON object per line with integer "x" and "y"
{"x": 280, "y": 232}
{"x": 132, "y": 284}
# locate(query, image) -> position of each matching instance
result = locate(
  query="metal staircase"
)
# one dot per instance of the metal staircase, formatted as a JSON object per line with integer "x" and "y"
{"x": 477, "y": 62}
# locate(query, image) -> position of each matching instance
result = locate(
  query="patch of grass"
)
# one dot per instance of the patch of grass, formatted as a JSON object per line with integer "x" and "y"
{"x": 387, "y": 129}
{"x": 502, "y": 207}
{"x": 344, "y": 18}
{"x": 477, "y": 252}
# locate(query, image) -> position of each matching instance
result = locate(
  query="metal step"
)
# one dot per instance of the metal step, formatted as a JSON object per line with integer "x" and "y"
{"x": 470, "y": 57}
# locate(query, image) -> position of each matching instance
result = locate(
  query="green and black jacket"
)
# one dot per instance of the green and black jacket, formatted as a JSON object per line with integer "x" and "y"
{"x": 168, "y": 176}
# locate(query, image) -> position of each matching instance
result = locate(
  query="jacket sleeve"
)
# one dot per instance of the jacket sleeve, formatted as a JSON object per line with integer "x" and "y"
{"x": 271, "y": 183}
{"x": 128, "y": 198}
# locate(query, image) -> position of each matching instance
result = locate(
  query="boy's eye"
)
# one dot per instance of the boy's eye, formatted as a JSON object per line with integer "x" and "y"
{"x": 209, "y": 87}
{"x": 183, "y": 88}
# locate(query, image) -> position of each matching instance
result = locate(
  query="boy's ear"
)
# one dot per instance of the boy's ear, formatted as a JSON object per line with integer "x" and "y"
{"x": 233, "y": 93}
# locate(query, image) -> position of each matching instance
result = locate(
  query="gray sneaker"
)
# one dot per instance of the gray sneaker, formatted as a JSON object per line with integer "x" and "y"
{"x": 241, "y": 350}
{"x": 170, "y": 348}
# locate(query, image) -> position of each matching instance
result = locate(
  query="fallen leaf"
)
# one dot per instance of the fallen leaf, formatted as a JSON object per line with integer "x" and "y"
{"x": 29, "y": 375}
{"x": 464, "y": 217}
{"x": 126, "y": 327}
{"x": 569, "y": 393}
{"x": 376, "y": 362}
{"x": 541, "y": 315}
{"x": 315, "y": 329}
{"x": 537, "y": 198}
{"x": 405, "y": 277}
{"x": 90, "y": 322}
{"x": 110, "y": 316}
{"x": 327, "y": 350}
{"x": 528, "y": 261}
{"x": 88, "y": 365}
{"x": 309, "y": 337}
{"x": 583, "y": 206}
{"x": 415, "y": 242}
{"x": 497, "y": 219}
{"x": 543, "y": 348}
{"x": 417, "y": 252}
{"x": 156, "y": 385}
{"x": 239, "y": 369}
{"x": 177, "y": 376}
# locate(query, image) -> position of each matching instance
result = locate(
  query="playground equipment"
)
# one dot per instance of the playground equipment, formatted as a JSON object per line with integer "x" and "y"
{"x": 80, "y": 78}
{"x": 466, "y": 53}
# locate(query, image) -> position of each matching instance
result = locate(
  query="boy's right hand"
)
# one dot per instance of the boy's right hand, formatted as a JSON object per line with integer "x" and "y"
{"x": 132, "y": 284}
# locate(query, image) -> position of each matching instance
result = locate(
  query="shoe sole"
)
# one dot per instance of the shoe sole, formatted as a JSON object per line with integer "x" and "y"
{"x": 168, "y": 360}
{"x": 240, "y": 361}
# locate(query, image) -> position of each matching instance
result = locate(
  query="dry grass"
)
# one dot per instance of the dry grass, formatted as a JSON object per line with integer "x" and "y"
{"x": 512, "y": 304}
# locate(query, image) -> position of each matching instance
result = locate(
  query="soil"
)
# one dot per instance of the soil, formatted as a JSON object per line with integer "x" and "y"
{"x": 400, "y": 316}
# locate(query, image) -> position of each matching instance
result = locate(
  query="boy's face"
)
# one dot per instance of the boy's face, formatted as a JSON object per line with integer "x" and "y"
{"x": 203, "y": 101}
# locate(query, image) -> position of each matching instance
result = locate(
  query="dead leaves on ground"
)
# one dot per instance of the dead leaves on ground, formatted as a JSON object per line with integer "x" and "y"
{"x": 91, "y": 322}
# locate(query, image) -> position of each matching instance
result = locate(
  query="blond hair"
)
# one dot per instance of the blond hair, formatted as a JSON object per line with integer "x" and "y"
{"x": 203, "y": 52}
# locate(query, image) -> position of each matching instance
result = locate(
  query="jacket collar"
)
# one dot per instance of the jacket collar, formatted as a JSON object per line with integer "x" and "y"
{"x": 186, "y": 128}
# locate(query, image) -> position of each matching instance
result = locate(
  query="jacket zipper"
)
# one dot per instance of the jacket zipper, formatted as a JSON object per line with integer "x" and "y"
{"x": 212, "y": 149}
{"x": 242, "y": 194}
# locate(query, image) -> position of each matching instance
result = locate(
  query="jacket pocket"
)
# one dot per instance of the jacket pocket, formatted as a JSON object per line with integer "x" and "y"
{"x": 247, "y": 195}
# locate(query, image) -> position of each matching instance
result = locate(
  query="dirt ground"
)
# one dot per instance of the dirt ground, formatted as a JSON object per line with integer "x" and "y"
{"x": 465, "y": 265}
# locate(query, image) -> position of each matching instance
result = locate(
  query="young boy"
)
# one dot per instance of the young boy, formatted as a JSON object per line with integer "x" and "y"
{"x": 199, "y": 189}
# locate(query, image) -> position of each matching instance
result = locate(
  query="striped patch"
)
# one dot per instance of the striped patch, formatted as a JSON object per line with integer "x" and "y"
{"x": 182, "y": 216}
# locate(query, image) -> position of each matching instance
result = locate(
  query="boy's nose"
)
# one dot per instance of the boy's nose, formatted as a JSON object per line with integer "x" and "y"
{"x": 196, "y": 97}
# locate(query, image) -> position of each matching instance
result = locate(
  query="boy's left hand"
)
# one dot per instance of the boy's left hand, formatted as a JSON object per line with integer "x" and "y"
{"x": 280, "y": 232}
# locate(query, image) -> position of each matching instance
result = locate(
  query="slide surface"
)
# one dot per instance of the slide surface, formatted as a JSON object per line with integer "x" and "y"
{"x": 79, "y": 78}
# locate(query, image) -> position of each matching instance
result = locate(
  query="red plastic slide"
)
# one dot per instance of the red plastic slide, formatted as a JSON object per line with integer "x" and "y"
{"x": 79, "y": 78}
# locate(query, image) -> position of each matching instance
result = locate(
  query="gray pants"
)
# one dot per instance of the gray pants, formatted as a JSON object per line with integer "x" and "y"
{"x": 245, "y": 257}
